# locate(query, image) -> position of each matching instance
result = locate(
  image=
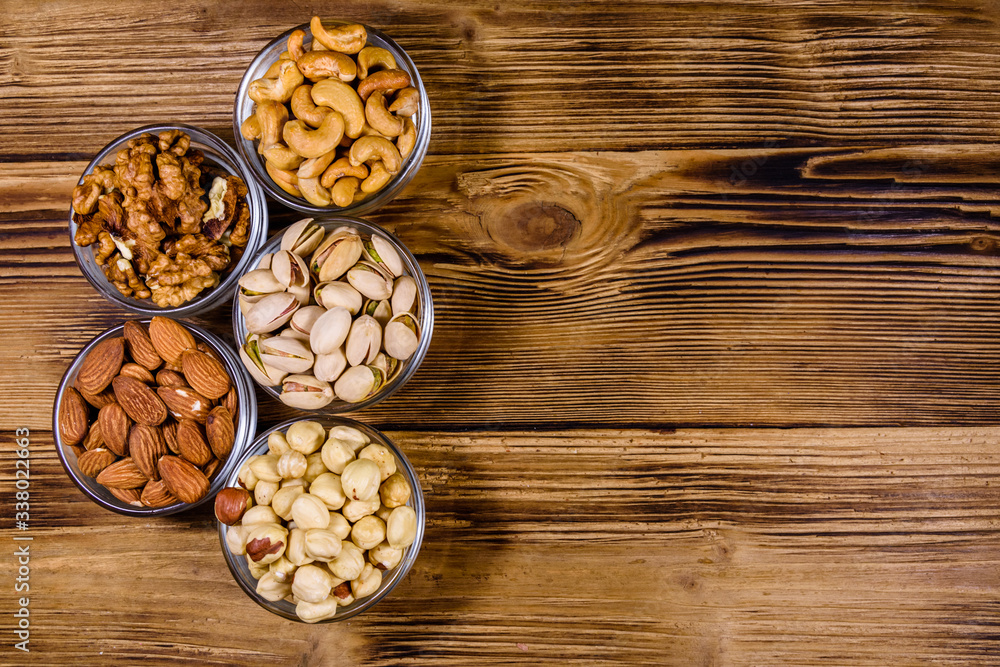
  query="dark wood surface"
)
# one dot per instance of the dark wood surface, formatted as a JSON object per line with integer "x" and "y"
{"x": 714, "y": 375}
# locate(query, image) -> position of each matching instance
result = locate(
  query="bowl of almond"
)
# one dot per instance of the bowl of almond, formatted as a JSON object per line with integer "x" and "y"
{"x": 152, "y": 417}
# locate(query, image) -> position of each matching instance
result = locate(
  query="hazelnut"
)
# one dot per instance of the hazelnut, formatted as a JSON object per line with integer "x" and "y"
{"x": 314, "y": 467}
{"x": 277, "y": 444}
{"x": 256, "y": 569}
{"x": 308, "y": 511}
{"x": 327, "y": 487}
{"x": 385, "y": 556}
{"x": 296, "y": 551}
{"x": 368, "y": 533}
{"x": 264, "y": 492}
{"x": 368, "y": 582}
{"x": 336, "y": 455}
{"x": 265, "y": 467}
{"x": 349, "y": 562}
{"x": 247, "y": 479}
{"x": 283, "y": 569}
{"x": 339, "y": 526}
{"x": 401, "y": 528}
{"x": 271, "y": 588}
{"x": 266, "y": 543}
{"x": 382, "y": 457}
{"x": 395, "y": 491}
{"x": 352, "y": 436}
{"x": 322, "y": 545}
{"x": 235, "y": 541}
{"x": 281, "y": 501}
{"x": 292, "y": 464}
{"x": 259, "y": 514}
{"x": 360, "y": 479}
{"x": 231, "y": 504}
{"x": 354, "y": 510}
{"x": 311, "y": 583}
{"x": 305, "y": 436}
{"x": 313, "y": 612}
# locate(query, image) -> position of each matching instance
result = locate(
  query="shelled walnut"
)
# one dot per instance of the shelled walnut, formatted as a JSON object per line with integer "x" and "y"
{"x": 155, "y": 232}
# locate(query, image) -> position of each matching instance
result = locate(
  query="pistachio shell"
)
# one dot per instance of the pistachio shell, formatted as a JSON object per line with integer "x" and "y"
{"x": 302, "y": 293}
{"x": 404, "y": 295}
{"x": 332, "y": 294}
{"x": 271, "y": 312}
{"x": 363, "y": 341}
{"x": 286, "y": 354}
{"x": 380, "y": 310}
{"x": 289, "y": 269}
{"x": 289, "y": 332}
{"x": 256, "y": 284}
{"x": 328, "y": 367}
{"x": 259, "y": 371}
{"x": 371, "y": 280}
{"x": 338, "y": 252}
{"x": 388, "y": 365}
{"x": 304, "y": 318}
{"x": 265, "y": 261}
{"x": 357, "y": 383}
{"x": 402, "y": 336}
{"x": 302, "y": 237}
{"x": 330, "y": 330}
{"x": 305, "y": 392}
{"x": 380, "y": 251}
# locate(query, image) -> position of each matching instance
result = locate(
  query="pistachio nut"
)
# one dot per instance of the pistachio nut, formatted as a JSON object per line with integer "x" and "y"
{"x": 304, "y": 318}
{"x": 286, "y": 354}
{"x": 305, "y": 392}
{"x": 380, "y": 310}
{"x": 289, "y": 269}
{"x": 368, "y": 532}
{"x": 328, "y": 367}
{"x": 309, "y": 511}
{"x": 339, "y": 525}
{"x": 388, "y": 365}
{"x": 330, "y": 330}
{"x": 259, "y": 371}
{"x": 336, "y": 455}
{"x": 306, "y": 436}
{"x": 354, "y": 510}
{"x": 367, "y": 582}
{"x": 402, "y": 336}
{"x": 327, "y": 487}
{"x": 404, "y": 295}
{"x": 357, "y": 383}
{"x": 395, "y": 491}
{"x": 352, "y": 436}
{"x": 337, "y": 293}
{"x": 361, "y": 479}
{"x": 364, "y": 341}
{"x": 256, "y": 284}
{"x": 385, "y": 556}
{"x": 371, "y": 280}
{"x": 271, "y": 589}
{"x": 271, "y": 312}
{"x": 302, "y": 237}
{"x": 322, "y": 545}
{"x": 311, "y": 583}
{"x": 314, "y": 612}
{"x": 382, "y": 457}
{"x": 380, "y": 251}
{"x": 338, "y": 252}
{"x": 401, "y": 528}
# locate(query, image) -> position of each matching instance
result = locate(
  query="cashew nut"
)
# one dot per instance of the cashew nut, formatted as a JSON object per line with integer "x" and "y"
{"x": 343, "y": 190}
{"x": 314, "y": 192}
{"x": 313, "y": 143}
{"x": 379, "y": 117}
{"x": 343, "y": 38}
{"x": 318, "y": 65}
{"x": 406, "y": 102}
{"x": 304, "y": 109}
{"x": 271, "y": 116}
{"x": 366, "y": 149}
{"x": 313, "y": 167}
{"x": 342, "y": 167}
{"x": 369, "y": 131}
{"x": 286, "y": 180}
{"x": 280, "y": 89}
{"x": 341, "y": 97}
{"x": 282, "y": 157}
{"x": 371, "y": 57}
{"x": 250, "y": 128}
{"x": 389, "y": 79}
{"x": 377, "y": 179}
{"x": 295, "y": 49}
{"x": 272, "y": 71}
{"x": 407, "y": 139}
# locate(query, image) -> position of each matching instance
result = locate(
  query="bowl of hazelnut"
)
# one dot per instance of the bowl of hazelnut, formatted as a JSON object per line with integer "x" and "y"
{"x": 321, "y": 519}
{"x": 165, "y": 219}
{"x": 332, "y": 116}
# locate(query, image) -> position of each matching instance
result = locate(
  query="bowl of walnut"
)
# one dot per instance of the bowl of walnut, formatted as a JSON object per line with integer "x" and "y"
{"x": 152, "y": 416}
{"x": 332, "y": 116}
{"x": 165, "y": 219}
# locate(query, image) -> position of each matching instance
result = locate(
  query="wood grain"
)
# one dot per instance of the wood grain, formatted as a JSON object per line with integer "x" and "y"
{"x": 697, "y": 547}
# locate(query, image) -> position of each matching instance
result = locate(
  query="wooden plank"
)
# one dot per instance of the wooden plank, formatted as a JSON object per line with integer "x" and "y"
{"x": 534, "y": 76}
{"x": 694, "y": 547}
{"x": 822, "y": 286}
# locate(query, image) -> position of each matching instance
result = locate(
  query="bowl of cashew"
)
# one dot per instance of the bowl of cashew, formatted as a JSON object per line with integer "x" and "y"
{"x": 332, "y": 116}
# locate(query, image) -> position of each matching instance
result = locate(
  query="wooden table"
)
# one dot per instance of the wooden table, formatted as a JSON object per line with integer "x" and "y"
{"x": 714, "y": 374}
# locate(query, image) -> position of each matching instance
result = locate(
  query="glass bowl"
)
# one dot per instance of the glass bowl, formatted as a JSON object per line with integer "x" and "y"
{"x": 216, "y": 153}
{"x": 245, "y": 423}
{"x": 238, "y": 564}
{"x": 425, "y": 317}
{"x": 244, "y": 108}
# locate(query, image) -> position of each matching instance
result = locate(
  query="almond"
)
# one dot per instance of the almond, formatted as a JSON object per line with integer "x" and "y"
{"x": 191, "y": 443}
{"x": 205, "y": 375}
{"x": 138, "y": 372}
{"x": 231, "y": 401}
{"x": 169, "y": 429}
{"x": 140, "y": 347}
{"x": 114, "y": 428}
{"x": 106, "y": 397}
{"x": 94, "y": 461}
{"x": 146, "y": 446}
{"x": 211, "y": 468}
{"x": 101, "y": 365}
{"x": 220, "y": 431}
{"x": 204, "y": 347}
{"x": 73, "y": 417}
{"x": 156, "y": 494}
{"x": 94, "y": 437}
{"x": 139, "y": 401}
{"x": 166, "y": 378}
{"x": 185, "y": 403}
{"x": 127, "y": 496}
{"x": 170, "y": 339}
{"x": 183, "y": 479}
{"x": 123, "y": 474}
